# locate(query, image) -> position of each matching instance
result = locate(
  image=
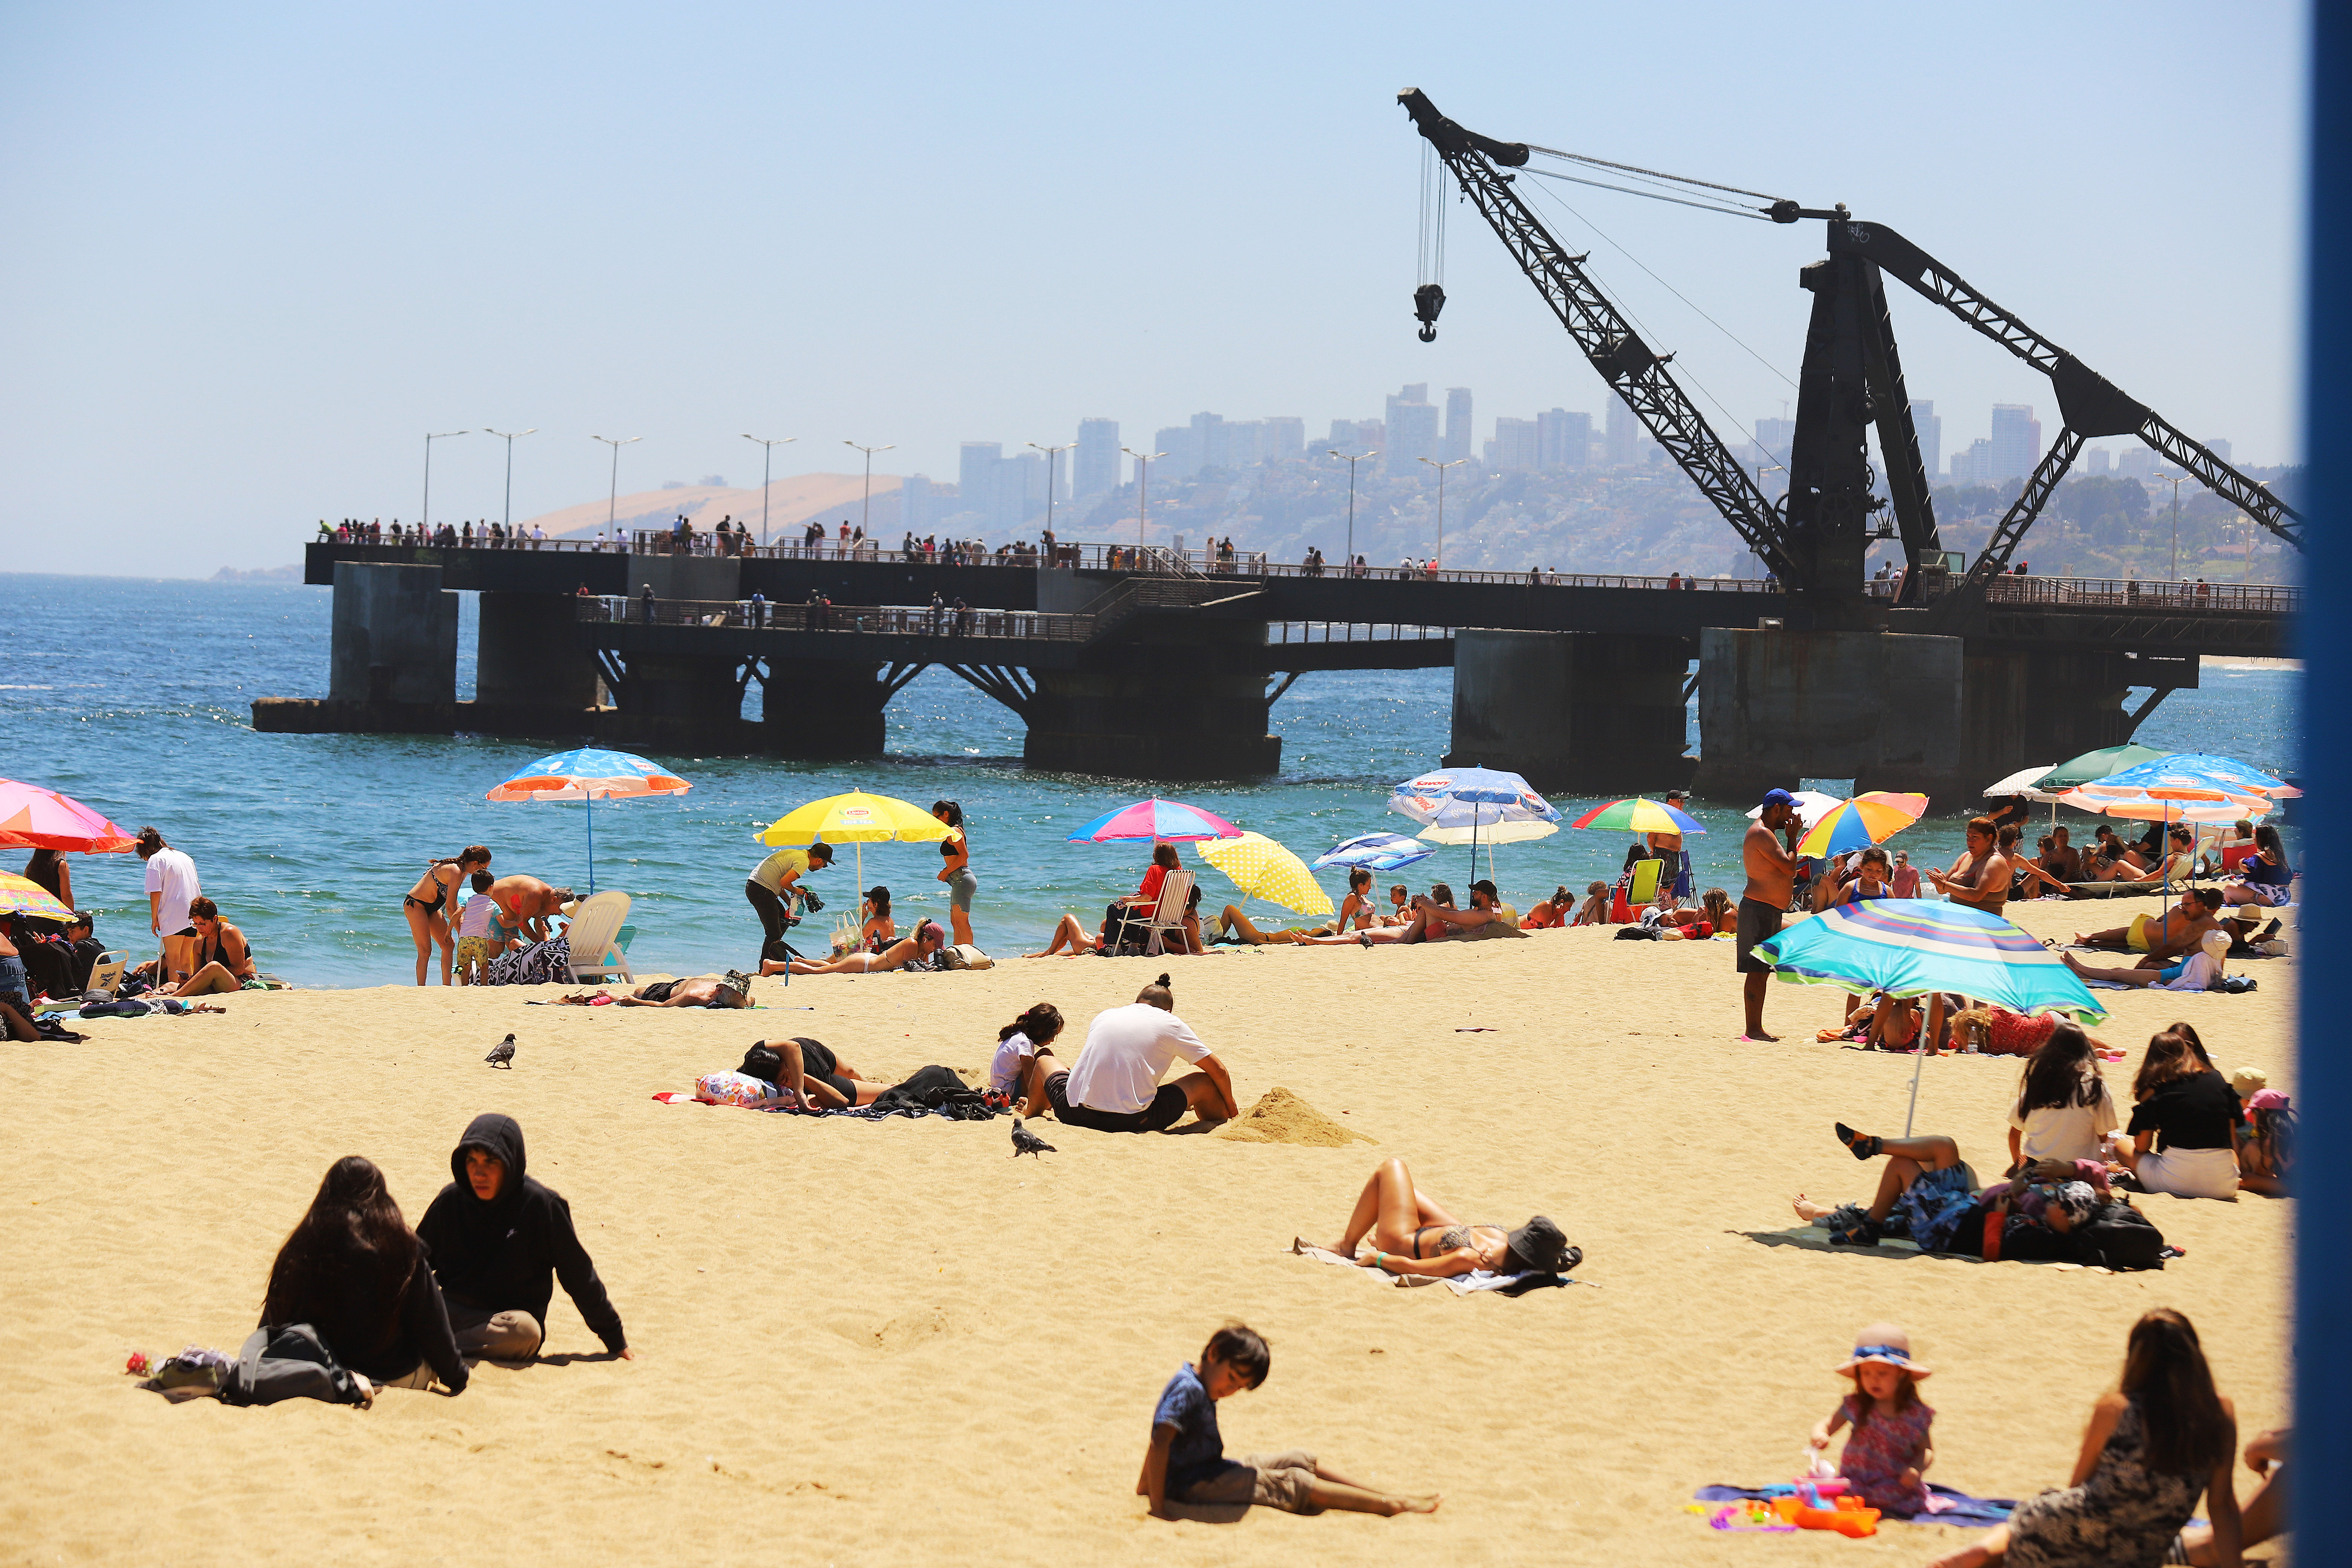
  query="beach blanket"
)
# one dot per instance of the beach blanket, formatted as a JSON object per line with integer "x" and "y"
{"x": 543, "y": 964}
{"x": 1945, "y": 1506}
{"x": 1470, "y": 1284}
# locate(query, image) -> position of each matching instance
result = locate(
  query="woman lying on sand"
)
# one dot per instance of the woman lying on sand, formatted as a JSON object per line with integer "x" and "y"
{"x": 920, "y": 944}
{"x": 1410, "y": 1235}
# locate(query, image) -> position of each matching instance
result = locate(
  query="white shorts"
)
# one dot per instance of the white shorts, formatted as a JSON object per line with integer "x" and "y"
{"x": 2190, "y": 1172}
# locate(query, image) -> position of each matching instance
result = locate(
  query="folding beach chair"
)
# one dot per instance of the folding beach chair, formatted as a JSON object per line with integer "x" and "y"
{"x": 106, "y": 974}
{"x": 594, "y": 935}
{"x": 1167, "y": 915}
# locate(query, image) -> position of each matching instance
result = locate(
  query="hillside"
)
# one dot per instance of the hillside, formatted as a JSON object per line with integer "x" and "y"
{"x": 791, "y": 503}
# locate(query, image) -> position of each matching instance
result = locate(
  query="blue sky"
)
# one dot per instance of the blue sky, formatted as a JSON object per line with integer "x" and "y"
{"x": 256, "y": 252}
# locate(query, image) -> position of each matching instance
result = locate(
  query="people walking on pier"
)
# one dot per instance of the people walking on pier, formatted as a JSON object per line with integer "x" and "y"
{"x": 646, "y": 600}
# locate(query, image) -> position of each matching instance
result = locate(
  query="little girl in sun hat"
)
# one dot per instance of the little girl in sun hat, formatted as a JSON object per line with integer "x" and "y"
{"x": 1888, "y": 1453}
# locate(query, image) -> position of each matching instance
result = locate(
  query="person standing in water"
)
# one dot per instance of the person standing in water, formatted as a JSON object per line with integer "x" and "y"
{"x": 956, "y": 870}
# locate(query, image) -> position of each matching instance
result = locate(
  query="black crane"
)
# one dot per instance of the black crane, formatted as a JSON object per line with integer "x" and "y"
{"x": 1851, "y": 380}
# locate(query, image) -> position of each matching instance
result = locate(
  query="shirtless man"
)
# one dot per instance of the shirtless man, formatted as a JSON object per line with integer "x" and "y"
{"x": 2167, "y": 938}
{"x": 1981, "y": 878}
{"x": 732, "y": 990}
{"x": 1764, "y": 902}
{"x": 526, "y": 904}
{"x": 2065, "y": 861}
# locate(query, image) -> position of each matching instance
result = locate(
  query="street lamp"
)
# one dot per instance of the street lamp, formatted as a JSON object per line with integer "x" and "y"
{"x": 1142, "y": 479}
{"x": 1352, "y": 463}
{"x": 429, "y": 438}
{"x": 1051, "y": 453}
{"x": 613, "y": 498}
{"x": 510, "y": 439}
{"x": 2175, "y": 480}
{"x": 1441, "y": 469}
{"x": 869, "y": 452}
{"x": 768, "y": 451}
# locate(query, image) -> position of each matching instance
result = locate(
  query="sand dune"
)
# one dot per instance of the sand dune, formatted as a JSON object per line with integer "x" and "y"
{"x": 792, "y": 501}
{"x": 895, "y": 1343}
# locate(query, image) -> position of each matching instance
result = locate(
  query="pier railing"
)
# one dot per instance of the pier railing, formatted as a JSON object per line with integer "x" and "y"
{"x": 918, "y": 620}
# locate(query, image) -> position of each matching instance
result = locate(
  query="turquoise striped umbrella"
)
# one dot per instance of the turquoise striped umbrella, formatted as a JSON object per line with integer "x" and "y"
{"x": 1909, "y": 947}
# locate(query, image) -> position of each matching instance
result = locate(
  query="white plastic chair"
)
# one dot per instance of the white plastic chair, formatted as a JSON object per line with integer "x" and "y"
{"x": 1167, "y": 914}
{"x": 594, "y": 935}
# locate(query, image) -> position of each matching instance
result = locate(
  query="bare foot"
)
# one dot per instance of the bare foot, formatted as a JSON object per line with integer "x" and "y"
{"x": 1760, "y": 1037}
{"x": 1416, "y": 1504}
{"x": 2071, "y": 962}
{"x": 1807, "y": 1209}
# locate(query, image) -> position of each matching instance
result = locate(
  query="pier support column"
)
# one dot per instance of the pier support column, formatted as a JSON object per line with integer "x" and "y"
{"x": 1170, "y": 722}
{"x": 680, "y": 702}
{"x": 1572, "y": 710}
{"x": 533, "y": 672}
{"x": 392, "y": 658}
{"x": 1883, "y": 709}
{"x": 823, "y": 709}
{"x": 2028, "y": 705}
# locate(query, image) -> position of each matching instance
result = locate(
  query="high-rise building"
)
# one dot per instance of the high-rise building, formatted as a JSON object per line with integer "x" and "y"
{"x": 1284, "y": 438}
{"x": 1515, "y": 448}
{"x": 1093, "y": 466}
{"x": 2136, "y": 463}
{"x": 1371, "y": 436}
{"x": 917, "y": 496}
{"x": 1457, "y": 423}
{"x": 1208, "y": 442}
{"x": 2219, "y": 448}
{"x": 1930, "y": 426}
{"x": 976, "y": 472}
{"x": 1413, "y": 432}
{"x": 1624, "y": 434}
{"x": 1975, "y": 466}
{"x": 1563, "y": 440}
{"x": 1343, "y": 434}
{"x": 2016, "y": 441}
{"x": 1182, "y": 453}
{"x": 1778, "y": 438}
{"x": 2097, "y": 459}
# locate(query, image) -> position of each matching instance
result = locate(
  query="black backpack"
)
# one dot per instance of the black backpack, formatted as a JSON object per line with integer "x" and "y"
{"x": 2118, "y": 1236}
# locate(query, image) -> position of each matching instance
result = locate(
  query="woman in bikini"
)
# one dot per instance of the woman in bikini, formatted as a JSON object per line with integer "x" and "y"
{"x": 955, "y": 869}
{"x": 918, "y": 944}
{"x": 1410, "y": 1235}
{"x": 433, "y": 900}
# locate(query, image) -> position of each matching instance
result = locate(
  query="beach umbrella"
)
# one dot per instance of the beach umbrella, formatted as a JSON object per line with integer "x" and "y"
{"x": 590, "y": 773}
{"x": 1156, "y": 819}
{"x": 1261, "y": 868}
{"x": 858, "y": 818}
{"x": 32, "y": 817}
{"x": 1869, "y": 818}
{"x": 1472, "y": 799}
{"x": 2198, "y": 770}
{"x": 2025, "y": 782}
{"x": 1910, "y": 947}
{"x": 23, "y": 896}
{"x": 1374, "y": 852}
{"x": 1638, "y": 815}
{"x": 2096, "y": 764}
{"x": 1445, "y": 831}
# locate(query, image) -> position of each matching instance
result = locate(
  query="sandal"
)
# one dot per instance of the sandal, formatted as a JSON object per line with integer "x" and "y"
{"x": 1861, "y": 1145}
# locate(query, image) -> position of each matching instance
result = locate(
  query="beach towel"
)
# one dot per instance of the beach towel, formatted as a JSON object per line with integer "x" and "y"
{"x": 1476, "y": 1283}
{"x": 1945, "y": 1506}
{"x": 543, "y": 964}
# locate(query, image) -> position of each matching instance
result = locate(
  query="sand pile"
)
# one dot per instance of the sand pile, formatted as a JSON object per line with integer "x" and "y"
{"x": 1281, "y": 1117}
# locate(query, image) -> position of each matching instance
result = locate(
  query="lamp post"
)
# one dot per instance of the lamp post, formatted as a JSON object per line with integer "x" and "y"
{"x": 1441, "y": 469}
{"x": 1142, "y": 479}
{"x": 2175, "y": 480}
{"x": 767, "y": 453}
{"x": 429, "y": 438}
{"x": 612, "y": 497}
{"x": 868, "y": 509}
{"x": 1051, "y": 453}
{"x": 1352, "y": 463}
{"x": 508, "y": 437}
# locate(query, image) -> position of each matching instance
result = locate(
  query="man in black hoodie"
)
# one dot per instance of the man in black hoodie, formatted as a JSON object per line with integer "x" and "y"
{"x": 497, "y": 1237}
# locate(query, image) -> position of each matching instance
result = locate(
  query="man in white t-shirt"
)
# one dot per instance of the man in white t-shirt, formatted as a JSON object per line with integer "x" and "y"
{"x": 172, "y": 887}
{"x": 1114, "y": 1086}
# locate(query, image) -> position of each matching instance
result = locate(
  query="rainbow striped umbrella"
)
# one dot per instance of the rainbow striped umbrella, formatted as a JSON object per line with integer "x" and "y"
{"x": 1639, "y": 815}
{"x": 591, "y": 774}
{"x": 1156, "y": 819}
{"x": 1857, "y": 823}
{"x": 23, "y": 896}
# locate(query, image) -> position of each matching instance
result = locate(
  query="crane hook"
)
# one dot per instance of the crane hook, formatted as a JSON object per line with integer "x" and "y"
{"x": 1427, "y": 301}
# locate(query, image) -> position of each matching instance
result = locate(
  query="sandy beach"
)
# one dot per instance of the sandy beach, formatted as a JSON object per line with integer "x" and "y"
{"x": 885, "y": 1343}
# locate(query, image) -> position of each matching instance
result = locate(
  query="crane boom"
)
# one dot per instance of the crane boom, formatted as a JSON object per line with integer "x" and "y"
{"x": 1631, "y": 367}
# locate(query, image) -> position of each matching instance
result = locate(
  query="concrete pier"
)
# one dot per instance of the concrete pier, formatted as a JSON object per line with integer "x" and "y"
{"x": 1571, "y": 710}
{"x": 534, "y": 673}
{"x": 1879, "y": 707}
{"x": 823, "y": 709}
{"x": 391, "y": 657}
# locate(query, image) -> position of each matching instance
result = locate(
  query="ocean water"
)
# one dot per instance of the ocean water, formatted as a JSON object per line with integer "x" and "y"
{"x": 134, "y": 696}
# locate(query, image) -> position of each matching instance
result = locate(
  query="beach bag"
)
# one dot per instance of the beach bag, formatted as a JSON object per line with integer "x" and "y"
{"x": 2119, "y": 1236}
{"x": 963, "y": 956}
{"x": 289, "y": 1362}
{"x": 732, "y": 1088}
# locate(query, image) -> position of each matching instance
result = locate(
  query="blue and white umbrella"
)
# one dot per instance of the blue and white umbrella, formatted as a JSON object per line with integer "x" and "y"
{"x": 590, "y": 773}
{"x": 1471, "y": 799}
{"x": 1375, "y": 852}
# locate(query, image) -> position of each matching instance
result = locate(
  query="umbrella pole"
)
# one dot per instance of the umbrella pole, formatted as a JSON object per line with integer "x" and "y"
{"x": 1927, "y": 1033}
{"x": 592, "y": 846}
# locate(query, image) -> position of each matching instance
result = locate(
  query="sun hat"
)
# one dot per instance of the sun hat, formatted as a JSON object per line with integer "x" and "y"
{"x": 2077, "y": 1199}
{"x": 2249, "y": 1082}
{"x": 737, "y": 982}
{"x": 1884, "y": 1343}
{"x": 1539, "y": 1244}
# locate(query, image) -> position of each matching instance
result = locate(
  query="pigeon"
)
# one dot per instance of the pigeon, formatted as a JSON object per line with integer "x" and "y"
{"x": 1025, "y": 1142}
{"x": 502, "y": 1053}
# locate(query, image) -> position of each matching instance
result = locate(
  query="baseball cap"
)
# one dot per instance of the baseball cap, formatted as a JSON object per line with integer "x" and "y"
{"x": 1778, "y": 797}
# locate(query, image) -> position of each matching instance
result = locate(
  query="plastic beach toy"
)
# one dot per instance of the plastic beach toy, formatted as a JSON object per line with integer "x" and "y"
{"x": 1809, "y": 1511}
{"x": 1749, "y": 1515}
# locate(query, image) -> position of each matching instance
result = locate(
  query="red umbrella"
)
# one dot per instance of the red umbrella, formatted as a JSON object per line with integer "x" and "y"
{"x": 32, "y": 817}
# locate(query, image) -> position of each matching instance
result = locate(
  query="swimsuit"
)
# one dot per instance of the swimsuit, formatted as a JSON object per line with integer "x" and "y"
{"x": 1452, "y": 1237}
{"x": 440, "y": 893}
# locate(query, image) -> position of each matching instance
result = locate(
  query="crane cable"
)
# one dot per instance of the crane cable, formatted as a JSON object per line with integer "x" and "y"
{"x": 1429, "y": 265}
{"x": 1655, "y": 176}
{"x": 1704, "y": 206}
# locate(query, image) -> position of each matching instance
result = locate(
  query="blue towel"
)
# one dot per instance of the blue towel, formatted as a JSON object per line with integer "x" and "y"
{"x": 1972, "y": 1513}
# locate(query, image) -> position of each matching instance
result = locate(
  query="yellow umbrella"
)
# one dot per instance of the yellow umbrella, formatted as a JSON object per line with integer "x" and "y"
{"x": 1261, "y": 868}
{"x": 23, "y": 896}
{"x": 861, "y": 820}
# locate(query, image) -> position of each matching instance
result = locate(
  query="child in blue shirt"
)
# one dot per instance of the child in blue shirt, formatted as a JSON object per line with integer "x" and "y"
{"x": 1187, "y": 1463}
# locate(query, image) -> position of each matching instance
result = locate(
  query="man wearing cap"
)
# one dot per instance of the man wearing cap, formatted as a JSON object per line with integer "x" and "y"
{"x": 1764, "y": 902}
{"x": 775, "y": 879}
{"x": 1670, "y": 845}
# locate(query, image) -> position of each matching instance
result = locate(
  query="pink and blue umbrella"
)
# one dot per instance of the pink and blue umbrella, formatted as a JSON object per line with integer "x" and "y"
{"x": 1172, "y": 820}
{"x": 589, "y": 774}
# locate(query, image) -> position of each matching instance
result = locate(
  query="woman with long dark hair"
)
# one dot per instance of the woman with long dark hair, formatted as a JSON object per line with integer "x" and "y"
{"x": 1025, "y": 1055}
{"x": 2164, "y": 1436}
{"x": 431, "y": 903}
{"x": 2063, "y": 1108}
{"x": 355, "y": 1271}
{"x": 2184, "y": 1122}
{"x": 2263, "y": 878}
{"x": 955, "y": 869}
